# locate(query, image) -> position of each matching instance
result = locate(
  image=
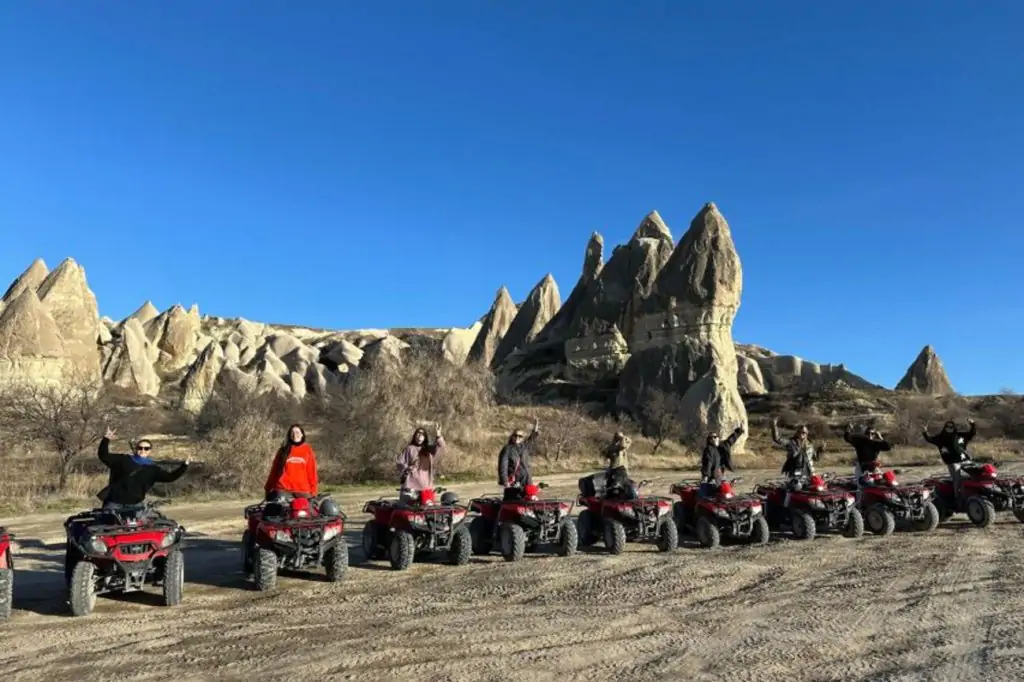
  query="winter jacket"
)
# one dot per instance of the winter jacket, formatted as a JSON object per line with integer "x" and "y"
{"x": 616, "y": 453}
{"x": 717, "y": 457}
{"x": 514, "y": 462}
{"x": 867, "y": 449}
{"x": 132, "y": 477}
{"x": 799, "y": 456}
{"x": 294, "y": 470}
{"x": 952, "y": 446}
{"x": 417, "y": 464}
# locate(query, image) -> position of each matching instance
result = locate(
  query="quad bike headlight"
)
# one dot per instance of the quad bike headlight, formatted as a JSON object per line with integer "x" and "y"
{"x": 755, "y": 509}
{"x": 849, "y": 501}
{"x": 926, "y": 494}
{"x": 417, "y": 520}
{"x": 168, "y": 540}
{"x": 281, "y": 535}
{"x": 331, "y": 532}
{"x": 628, "y": 512}
{"x": 724, "y": 513}
{"x": 96, "y": 546}
{"x": 816, "y": 503}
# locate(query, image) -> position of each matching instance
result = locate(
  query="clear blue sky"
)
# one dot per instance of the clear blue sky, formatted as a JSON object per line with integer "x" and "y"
{"x": 375, "y": 164}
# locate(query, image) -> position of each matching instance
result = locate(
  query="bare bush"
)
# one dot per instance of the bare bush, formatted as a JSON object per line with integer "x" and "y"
{"x": 569, "y": 432}
{"x": 67, "y": 417}
{"x": 663, "y": 417}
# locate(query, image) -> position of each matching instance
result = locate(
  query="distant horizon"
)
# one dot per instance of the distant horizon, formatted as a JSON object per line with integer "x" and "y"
{"x": 352, "y": 165}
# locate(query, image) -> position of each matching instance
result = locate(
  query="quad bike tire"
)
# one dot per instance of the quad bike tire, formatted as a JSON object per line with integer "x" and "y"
{"x": 83, "y": 588}
{"x": 981, "y": 512}
{"x": 614, "y": 536}
{"x": 6, "y": 592}
{"x": 708, "y": 534}
{"x": 265, "y": 570}
{"x": 1019, "y": 514}
{"x": 880, "y": 520}
{"x": 587, "y": 524}
{"x": 945, "y": 513}
{"x": 371, "y": 542}
{"x": 761, "y": 533}
{"x": 804, "y": 527}
{"x": 402, "y": 550}
{"x": 336, "y": 561}
{"x": 679, "y": 516}
{"x": 482, "y": 532}
{"x": 569, "y": 539}
{"x": 174, "y": 577}
{"x": 513, "y": 541}
{"x": 462, "y": 546}
{"x": 855, "y": 524}
{"x": 668, "y": 535}
{"x": 247, "y": 553}
{"x": 930, "y": 521}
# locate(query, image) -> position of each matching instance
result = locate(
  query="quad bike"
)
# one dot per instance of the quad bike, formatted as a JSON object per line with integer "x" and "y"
{"x": 120, "y": 550}
{"x": 885, "y": 501}
{"x": 739, "y": 517}
{"x": 296, "y": 532}
{"x": 812, "y": 508}
{"x": 401, "y": 529}
{"x": 519, "y": 525}
{"x": 984, "y": 494}
{"x": 6, "y": 574}
{"x": 621, "y": 514}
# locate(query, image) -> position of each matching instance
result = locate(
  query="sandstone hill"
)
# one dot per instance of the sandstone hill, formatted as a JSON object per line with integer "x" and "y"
{"x": 657, "y": 315}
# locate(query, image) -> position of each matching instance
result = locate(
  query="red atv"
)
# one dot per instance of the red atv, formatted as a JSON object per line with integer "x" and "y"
{"x": 120, "y": 550}
{"x": 811, "y": 509}
{"x": 295, "y": 532}
{"x": 885, "y": 501}
{"x": 984, "y": 494}
{"x": 402, "y": 529}
{"x": 520, "y": 525}
{"x": 620, "y": 516}
{"x": 6, "y": 574}
{"x": 739, "y": 517}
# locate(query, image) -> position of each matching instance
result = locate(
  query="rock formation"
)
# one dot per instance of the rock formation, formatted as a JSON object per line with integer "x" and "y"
{"x": 146, "y": 312}
{"x": 682, "y": 339}
{"x": 174, "y": 333}
{"x": 456, "y": 344}
{"x": 495, "y": 324}
{"x": 593, "y": 262}
{"x": 66, "y": 296}
{"x": 129, "y": 364}
{"x": 199, "y": 383}
{"x": 30, "y": 343}
{"x": 32, "y": 278}
{"x": 749, "y": 379}
{"x": 538, "y": 309}
{"x": 926, "y": 375}
{"x": 792, "y": 374}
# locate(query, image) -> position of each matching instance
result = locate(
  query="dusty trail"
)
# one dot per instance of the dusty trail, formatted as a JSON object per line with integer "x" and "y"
{"x": 941, "y": 606}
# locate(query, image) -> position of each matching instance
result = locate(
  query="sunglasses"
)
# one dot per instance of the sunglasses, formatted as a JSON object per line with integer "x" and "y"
{"x": 144, "y": 448}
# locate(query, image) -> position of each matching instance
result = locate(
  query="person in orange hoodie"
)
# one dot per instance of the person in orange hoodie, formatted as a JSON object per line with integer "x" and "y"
{"x": 294, "y": 467}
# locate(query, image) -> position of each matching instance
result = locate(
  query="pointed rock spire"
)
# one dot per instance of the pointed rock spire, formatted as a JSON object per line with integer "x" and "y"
{"x": 30, "y": 279}
{"x": 652, "y": 227}
{"x": 66, "y": 296}
{"x": 537, "y": 310}
{"x": 146, "y": 312}
{"x": 593, "y": 262}
{"x": 495, "y": 324}
{"x": 926, "y": 375}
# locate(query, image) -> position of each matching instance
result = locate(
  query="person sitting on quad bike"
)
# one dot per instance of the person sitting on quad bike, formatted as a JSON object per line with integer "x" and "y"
{"x": 867, "y": 446}
{"x": 133, "y": 476}
{"x": 294, "y": 467}
{"x": 514, "y": 462}
{"x": 952, "y": 445}
{"x": 617, "y": 475}
{"x": 717, "y": 456}
{"x": 417, "y": 463}
{"x": 800, "y": 453}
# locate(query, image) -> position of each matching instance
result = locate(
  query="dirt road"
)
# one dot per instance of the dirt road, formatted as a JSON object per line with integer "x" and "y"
{"x": 942, "y": 606}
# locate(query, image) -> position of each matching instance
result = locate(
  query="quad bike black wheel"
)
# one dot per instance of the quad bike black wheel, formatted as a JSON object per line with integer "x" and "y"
{"x": 587, "y": 525}
{"x": 247, "y": 550}
{"x": 1019, "y": 514}
{"x": 569, "y": 540}
{"x": 804, "y": 527}
{"x": 402, "y": 550}
{"x": 513, "y": 541}
{"x": 855, "y": 524}
{"x": 930, "y": 521}
{"x": 668, "y": 535}
{"x": 371, "y": 542}
{"x": 679, "y": 515}
{"x": 482, "y": 531}
{"x": 6, "y": 592}
{"x": 880, "y": 520}
{"x": 945, "y": 511}
{"x": 336, "y": 561}
{"x": 265, "y": 570}
{"x": 462, "y": 546}
{"x": 981, "y": 512}
{"x": 614, "y": 536}
{"x": 174, "y": 577}
{"x": 760, "y": 534}
{"x": 83, "y": 588}
{"x": 708, "y": 534}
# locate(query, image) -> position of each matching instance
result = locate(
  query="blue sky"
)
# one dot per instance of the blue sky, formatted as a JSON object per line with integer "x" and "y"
{"x": 357, "y": 164}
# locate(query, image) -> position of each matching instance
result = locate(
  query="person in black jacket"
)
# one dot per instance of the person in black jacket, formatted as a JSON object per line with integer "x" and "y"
{"x": 133, "y": 476}
{"x": 952, "y": 445}
{"x": 867, "y": 446}
{"x": 717, "y": 457}
{"x": 514, "y": 461}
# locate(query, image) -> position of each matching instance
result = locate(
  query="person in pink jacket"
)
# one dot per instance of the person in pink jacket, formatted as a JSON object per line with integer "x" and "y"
{"x": 418, "y": 462}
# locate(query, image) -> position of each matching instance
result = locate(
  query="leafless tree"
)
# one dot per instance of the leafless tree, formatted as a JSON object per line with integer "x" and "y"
{"x": 566, "y": 433}
{"x": 663, "y": 416}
